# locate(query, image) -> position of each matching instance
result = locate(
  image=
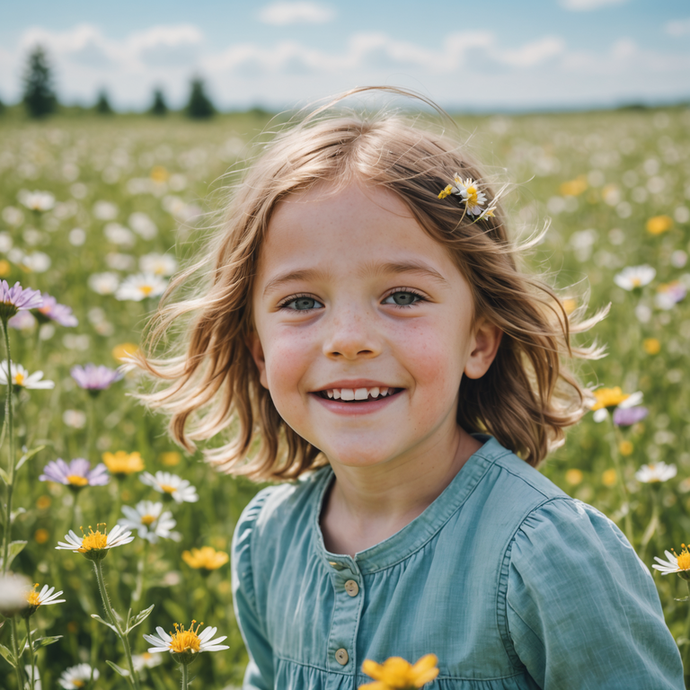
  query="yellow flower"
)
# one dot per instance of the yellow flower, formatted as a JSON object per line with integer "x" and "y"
{"x": 651, "y": 346}
{"x": 206, "y": 558}
{"x": 119, "y": 352}
{"x": 159, "y": 174}
{"x": 625, "y": 448}
{"x": 569, "y": 304}
{"x": 43, "y": 502}
{"x": 574, "y": 477}
{"x": 41, "y": 536}
{"x": 659, "y": 224}
{"x": 397, "y": 674}
{"x": 609, "y": 477}
{"x": 608, "y": 397}
{"x": 123, "y": 463}
{"x": 446, "y": 192}
{"x": 4, "y": 268}
{"x": 574, "y": 187}
{"x": 170, "y": 458}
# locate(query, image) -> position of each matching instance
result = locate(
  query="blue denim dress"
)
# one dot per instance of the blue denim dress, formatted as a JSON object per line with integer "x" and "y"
{"x": 510, "y": 582}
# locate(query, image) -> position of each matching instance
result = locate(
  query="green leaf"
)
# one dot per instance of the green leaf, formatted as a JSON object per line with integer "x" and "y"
{"x": 5, "y": 478}
{"x": 28, "y": 455}
{"x": 15, "y": 548}
{"x": 123, "y": 672}
{"x": 100, "y": 620}
{"x": 140, "y": 618}
{"x": 45, "y": 641}
{"x": 8, "y": 656}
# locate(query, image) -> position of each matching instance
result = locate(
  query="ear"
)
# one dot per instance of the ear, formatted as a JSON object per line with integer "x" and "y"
{"x": 257, "y": 351}
{"x": 487, "y": 338}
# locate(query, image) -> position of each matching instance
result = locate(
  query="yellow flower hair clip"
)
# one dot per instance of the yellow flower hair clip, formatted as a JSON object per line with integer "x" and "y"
{"x": 470, "y": 195}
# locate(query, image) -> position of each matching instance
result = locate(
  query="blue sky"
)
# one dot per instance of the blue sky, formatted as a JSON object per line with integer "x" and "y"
{"x": 494, "y": 54}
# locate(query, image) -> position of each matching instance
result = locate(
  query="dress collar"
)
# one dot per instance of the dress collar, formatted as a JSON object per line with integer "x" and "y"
{"x": 414, "y": 535}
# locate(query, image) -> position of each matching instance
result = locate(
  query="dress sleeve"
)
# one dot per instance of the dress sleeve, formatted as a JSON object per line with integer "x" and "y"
{"x": 259, "y": 673}
{"x": 582, "y": 609}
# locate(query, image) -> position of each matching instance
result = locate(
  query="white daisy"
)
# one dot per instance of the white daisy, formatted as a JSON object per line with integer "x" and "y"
{"x": 146, "y": 660}
{"x": 103, "y": 283}
{"x": 188, "y": 642}
{"x": 21, "y": 377}
{"x": 657, "y": 472}
{"x": 150, "y": 521}
{"x": 158, "y": 264}
{"x": 45, "y": 597}
{"x": 95, "y": 545}
{"x": 474, "y": 199}
{"x": 14, "y": 590}
{"x": 36, "y": 201}
{"x": 675, "y": 564}
{"x": 140, "y": 286}
{"x": 172, "y": 485}
{"x": 77, "y": 676}
{"x": 633, "y": 277}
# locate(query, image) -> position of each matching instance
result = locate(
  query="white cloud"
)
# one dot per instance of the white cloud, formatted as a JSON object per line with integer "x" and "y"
{"x": 282, "y": 13}
{"x": 679, "y": 27}
{"x": 586, "y": 5}
{"x": 533, "y": 53}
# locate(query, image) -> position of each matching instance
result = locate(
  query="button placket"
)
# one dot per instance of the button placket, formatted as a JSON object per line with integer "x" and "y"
{"x": 346, "y": 580}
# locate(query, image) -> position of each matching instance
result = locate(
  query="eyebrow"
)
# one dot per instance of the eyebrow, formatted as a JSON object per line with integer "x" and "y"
{"x": 392, "y": 267}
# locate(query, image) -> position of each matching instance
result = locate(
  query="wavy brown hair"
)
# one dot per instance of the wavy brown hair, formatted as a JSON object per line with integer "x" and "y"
{"x": 208, "y": 382}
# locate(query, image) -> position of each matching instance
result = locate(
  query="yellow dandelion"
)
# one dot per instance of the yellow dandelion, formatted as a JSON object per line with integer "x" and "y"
{"x": 651, "y": 346}
{"x": 123, "y": 463}
{"x": 574, "y": 477}
{"x": 659, "y": 224}
{"x": 205, "y": 558}
{"x": 609, "y": 477}
{"x": 397, "y": 674}
{"x": 625, "y": 448}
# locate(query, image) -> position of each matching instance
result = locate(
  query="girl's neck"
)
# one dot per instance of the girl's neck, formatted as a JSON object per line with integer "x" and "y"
{"x": 366, "y": 505}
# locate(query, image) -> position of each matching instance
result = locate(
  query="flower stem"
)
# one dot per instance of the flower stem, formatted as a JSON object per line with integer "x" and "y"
{"x": 621, "y": 482}
{"x": 653, "y": 523}
{"x": 140, "y": 588}
{"x": 686, "y": 654}
{"x": 113, "y": 620}
{"x": 32, "y": 655}
{"x": 11, "y": 459}
{"x": 15, "y": 649}
{"x": 185, "y": 681}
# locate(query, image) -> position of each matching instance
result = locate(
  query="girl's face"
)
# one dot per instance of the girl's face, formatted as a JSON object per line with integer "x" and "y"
{"x": 364, "y": 327}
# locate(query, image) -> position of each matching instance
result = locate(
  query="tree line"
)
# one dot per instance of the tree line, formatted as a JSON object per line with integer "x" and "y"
{"x": 40, "y": 99}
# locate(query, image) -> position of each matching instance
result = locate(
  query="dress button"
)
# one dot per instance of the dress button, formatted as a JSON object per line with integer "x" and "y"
{"x": 352, "y": 588}
{"x": 342, "y": 657}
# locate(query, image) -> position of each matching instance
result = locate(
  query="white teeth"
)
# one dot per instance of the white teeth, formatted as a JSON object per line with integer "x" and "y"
{"x": 358, "y": 393}
{"x": 329, "y": 393}
{"x": 336, "y": 394}
{"x": 384, "y": 391}
{"x": 374, "y": 392}
{"x": 361, "y": 394}
{"x": 347, "y": 394}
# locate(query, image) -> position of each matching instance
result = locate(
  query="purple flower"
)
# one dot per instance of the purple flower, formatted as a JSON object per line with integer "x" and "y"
{"x": 23, "y": 320}
{"x": 627, "y": 416}
{"x": 76, "y": 475}
{"x": 95, "y": 379}
{"x": 52, "y": 311}
{"x": 12, "y": 299}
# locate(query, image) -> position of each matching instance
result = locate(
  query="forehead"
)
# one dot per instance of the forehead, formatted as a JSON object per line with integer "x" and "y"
{"x": 356, "y": 225}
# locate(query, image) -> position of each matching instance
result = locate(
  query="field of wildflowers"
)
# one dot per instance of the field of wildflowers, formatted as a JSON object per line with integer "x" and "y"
{"x": 126, "y": 537}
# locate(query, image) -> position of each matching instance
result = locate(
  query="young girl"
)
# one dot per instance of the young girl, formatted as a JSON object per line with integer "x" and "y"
{"x": 366, "y": 331}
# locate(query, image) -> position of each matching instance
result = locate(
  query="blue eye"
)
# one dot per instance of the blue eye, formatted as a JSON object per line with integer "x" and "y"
{"x": 301, "y": 303}
{"x": 403, "y": 298}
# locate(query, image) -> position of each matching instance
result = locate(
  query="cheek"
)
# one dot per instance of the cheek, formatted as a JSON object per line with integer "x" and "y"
{"x": 286, "y": 360}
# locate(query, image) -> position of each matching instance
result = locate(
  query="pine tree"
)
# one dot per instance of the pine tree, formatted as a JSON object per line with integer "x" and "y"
{"x": 103, "y": 103}
{"x": 39, "y": 95}
{"x": 199, "y": 105}
{"x": 159, "y": 106}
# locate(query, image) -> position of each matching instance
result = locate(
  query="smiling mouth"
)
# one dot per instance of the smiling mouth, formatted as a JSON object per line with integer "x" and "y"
{"x": 358, "y": 395}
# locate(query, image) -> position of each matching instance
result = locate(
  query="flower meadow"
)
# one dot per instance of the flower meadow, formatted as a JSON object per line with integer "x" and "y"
{"x": 115, "y": 569}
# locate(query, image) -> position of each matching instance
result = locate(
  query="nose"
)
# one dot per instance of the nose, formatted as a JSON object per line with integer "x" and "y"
{"x": 351, "y": 334}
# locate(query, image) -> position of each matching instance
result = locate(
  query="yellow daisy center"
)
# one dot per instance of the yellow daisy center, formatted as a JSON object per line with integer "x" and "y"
{"x": 94, "y": 541}
{"x": 33, "y": 597}
{"x": 471, "y": 196}
{"x": 146, "y": 289}
{"x": 185, "y": 640}
{"x": 148, "y": 520}
{"x": 684, "y": 561}
{"x": 168, "y": 489}
{"x": 608, "y": 397}
{"x": 77, "y": 480}
{"x": 19, "y": 378}
{"x": 636, "y": 281}
{"x": 79, "y": 683}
